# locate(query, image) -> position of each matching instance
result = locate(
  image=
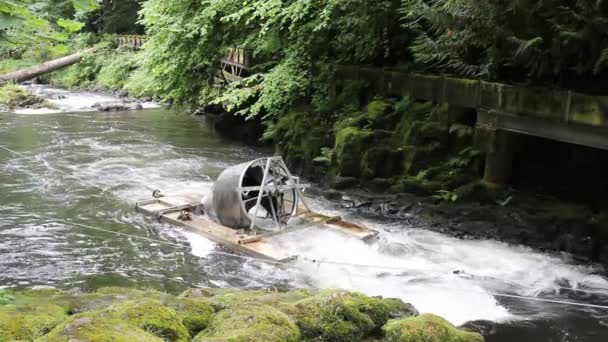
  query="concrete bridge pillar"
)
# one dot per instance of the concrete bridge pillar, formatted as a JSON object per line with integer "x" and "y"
{"x": 499, "y": 147}
{"x": 498, "y": 168}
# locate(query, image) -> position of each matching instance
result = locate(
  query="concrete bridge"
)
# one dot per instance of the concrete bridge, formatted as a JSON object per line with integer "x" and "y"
{"x": 555, "y": 114}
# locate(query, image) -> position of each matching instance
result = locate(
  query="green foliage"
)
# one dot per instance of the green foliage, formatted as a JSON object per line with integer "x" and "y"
{"x": 113, "y": 16}
{"x": 445, "y": 195}
{"x": 33, "y": 22}
{"x": 546, "y": 40}
{"x": 115, "y": 73}
{"x": 294, "y": 40}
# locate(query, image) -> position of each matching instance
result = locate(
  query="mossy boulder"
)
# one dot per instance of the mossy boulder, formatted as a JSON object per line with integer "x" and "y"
{"x": 13, "y": 96}
{"x": 152, "y": 316}
{"x": 416, "y": 159}
{"x": 299, "y": 136}
{"x": 26, "y": 315}
{"x": 99, "y": 329}
{"x": 382, "y": 162}
{"x": 194, "y": 313}
{"x": 29, "y": 321}
{"x": 351, "y": 143}
{"x": 341, "y": 316}
{"x": 381, "y": 114}
{"x": 250, "y": 323}
{"x": 426, "y": 328}
{"x": 425, "y": 134}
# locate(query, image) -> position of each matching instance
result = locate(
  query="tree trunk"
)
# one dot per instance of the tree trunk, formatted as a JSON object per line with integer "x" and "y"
{"x": 29, "y": 73}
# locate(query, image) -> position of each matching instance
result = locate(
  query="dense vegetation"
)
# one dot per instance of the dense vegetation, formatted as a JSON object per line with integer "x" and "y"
{"x": 296, "y": 45}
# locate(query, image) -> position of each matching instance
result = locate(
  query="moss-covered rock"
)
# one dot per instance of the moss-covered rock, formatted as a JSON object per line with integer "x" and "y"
{"x": 341, "y": 316}
{"x": 194, "y": 313}
{"x": 27, "y": 315}
{"x": 13, "y": 96}
{"x": 381, "y": 114}
{"x": 299, "y": 135}
{"x": 108, "y": 296}
{"x": 382, "y": 162}
{"x": 350, "y": 145}
{"x": 29, "y": 321}
{"x": 151, "y": 316}
{"x": 426, "y": 328}
{"x": 250, "y": 323}
{"x": 99, "y": 329}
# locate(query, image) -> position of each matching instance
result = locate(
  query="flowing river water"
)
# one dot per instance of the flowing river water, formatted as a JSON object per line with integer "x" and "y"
{"x": 90, "y": 167}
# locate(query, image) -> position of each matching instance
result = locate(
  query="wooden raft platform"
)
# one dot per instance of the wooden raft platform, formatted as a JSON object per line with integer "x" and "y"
{"x": 261, "y": 246}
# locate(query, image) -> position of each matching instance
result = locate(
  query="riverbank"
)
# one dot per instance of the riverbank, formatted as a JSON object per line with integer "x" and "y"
{"x": 122, "y": 314}
{"x": 416, "y": 162}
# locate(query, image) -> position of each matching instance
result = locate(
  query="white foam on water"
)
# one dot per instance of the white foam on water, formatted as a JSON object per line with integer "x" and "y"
{"x": 70, "y": 101}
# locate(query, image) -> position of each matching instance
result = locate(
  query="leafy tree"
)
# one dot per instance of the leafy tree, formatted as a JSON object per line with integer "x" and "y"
{"x": 293, "y": 41}
{"x": 25, "y": 21}
{"x": 550, "y": 41}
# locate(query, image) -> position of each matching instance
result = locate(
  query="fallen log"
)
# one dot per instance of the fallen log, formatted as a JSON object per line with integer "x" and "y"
{"x": 32, "y": 72}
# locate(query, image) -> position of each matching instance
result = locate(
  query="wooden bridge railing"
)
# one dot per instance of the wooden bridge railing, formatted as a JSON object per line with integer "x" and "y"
{"x": 135, "y": 42}
{"x": 235, "y": 65}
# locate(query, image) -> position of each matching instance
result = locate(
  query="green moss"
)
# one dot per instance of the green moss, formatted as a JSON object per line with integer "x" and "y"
{"x": 13, "y": 96}
{"x": 194, "y": 313}
{"x": 153, "y": 317}
{"x": 425, "y": 134}
{"x": 350, "y": 145}
{"x": 108, "y": 296}
{"x": 300, "y": 136}
{"x": 251, "y": 323}
{"x": 29, "y": 321}
{"x": 382, "y": 162}
{"x": 427, "y": 328}
{"x": 98, "y": 328}
{"x": 381, "y": 114}
{"x": 341, "y": 316}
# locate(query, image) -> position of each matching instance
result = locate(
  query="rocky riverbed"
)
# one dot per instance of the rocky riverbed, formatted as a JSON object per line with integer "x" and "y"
{"x": 40, "y": 99}
{"x": 544, "y": 223}
{"x": 121, "y": 314}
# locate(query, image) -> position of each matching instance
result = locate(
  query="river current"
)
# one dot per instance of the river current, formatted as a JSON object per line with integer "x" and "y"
{"x": 76, "y": 165}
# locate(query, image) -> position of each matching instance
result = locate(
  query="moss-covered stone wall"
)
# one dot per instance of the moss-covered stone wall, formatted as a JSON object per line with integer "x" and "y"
{"x": 389, "y": 145}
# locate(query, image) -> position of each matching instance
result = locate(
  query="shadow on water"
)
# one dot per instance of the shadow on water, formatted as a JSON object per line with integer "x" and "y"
{"x": 131, "y": 154}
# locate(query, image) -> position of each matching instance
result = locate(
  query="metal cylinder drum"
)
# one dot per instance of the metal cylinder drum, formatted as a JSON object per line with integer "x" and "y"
{"x": 231, "y": 204}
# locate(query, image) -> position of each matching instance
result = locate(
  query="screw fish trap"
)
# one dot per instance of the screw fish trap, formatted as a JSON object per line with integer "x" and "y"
{"x": 262, "y": 189}
{"x": 248, "y": 206}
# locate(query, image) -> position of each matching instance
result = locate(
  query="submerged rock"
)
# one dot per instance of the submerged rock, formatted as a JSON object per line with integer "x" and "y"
{"x": 118, "y": 106}
{"x": 427, "y": 328}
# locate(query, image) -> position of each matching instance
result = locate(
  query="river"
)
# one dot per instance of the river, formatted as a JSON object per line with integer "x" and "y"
{"x": 90, "y": 167}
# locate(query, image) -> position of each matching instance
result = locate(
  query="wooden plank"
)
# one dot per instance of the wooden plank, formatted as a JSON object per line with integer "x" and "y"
{"x": 258, "y": 246}
{"x": 222, "y": 235}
